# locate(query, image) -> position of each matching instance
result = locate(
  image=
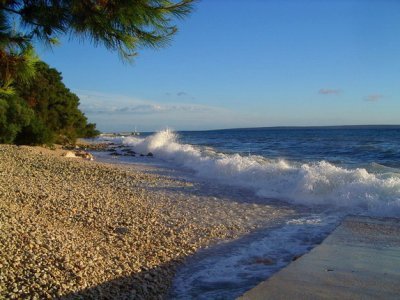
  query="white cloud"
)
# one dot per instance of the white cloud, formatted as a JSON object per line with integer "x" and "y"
{"x": 101, "y": 104}
{"x": 118, "y": 112}
{"x": 374, "y": 97}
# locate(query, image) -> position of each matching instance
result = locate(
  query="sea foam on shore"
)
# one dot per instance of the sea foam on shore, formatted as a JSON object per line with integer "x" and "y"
{"x": 375, "y": 191}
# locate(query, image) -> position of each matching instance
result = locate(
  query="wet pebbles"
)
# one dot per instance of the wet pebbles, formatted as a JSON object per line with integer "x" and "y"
{"x": 75, "y": 229}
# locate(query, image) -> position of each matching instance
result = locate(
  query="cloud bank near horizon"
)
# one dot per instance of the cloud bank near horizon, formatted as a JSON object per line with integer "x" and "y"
{"x": 118, "y": 112}
{"x": 113, "y": 112}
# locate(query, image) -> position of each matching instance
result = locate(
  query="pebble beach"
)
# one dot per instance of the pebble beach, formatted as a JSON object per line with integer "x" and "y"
{"x": 78, "y": 229}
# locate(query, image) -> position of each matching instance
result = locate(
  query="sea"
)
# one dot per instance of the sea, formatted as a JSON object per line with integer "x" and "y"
{"x": 324, "y": 172}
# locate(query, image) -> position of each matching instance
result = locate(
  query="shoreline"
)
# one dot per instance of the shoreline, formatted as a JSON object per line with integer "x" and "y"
{"x": 78, "y": 228}
{"x": 360, "y": 259}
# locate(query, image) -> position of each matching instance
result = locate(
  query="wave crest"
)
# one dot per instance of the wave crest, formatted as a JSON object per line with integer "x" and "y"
{"x": 320, "y": 183}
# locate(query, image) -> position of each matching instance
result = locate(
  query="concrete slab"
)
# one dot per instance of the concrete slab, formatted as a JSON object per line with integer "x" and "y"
{"x": 359, "y": 260}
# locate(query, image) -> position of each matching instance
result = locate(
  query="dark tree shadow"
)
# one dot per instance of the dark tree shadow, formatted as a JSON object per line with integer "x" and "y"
{"x": 148, "y": 284}
{"x": 156, "y": 283}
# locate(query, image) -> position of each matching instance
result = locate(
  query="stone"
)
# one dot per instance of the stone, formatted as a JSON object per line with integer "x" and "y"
{"x": 121, "y": 230}
{"x": 69, "y": 154}
{"x": 84, "y": 154}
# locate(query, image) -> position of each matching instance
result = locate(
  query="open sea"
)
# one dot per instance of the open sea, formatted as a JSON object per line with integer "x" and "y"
{"x": 328, "y": 172}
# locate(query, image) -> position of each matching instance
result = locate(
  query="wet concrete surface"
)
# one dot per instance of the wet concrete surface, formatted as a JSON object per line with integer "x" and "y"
{"x": 359, "y": 260}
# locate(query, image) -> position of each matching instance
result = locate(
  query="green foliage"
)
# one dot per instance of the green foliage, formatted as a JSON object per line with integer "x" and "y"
{"x": 42, "y": 111}
{"x": 16, "y": 67}
{"x": 17, "y": 57}
{"x": 14, "y": 115}
{"x": 55, "y": 106}
{"x": 35, "y": 106}
{"x": 89, "y": 131}
{"x": 118, "y": 25}
{"x": 36, "y": 133}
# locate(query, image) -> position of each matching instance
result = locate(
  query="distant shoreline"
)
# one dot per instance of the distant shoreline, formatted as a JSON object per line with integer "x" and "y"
{"x": 304, "y": 127}
{"x": 329, "y": 127}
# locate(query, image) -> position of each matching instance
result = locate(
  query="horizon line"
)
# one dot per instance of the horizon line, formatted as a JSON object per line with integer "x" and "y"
{"x": 360, "y": 126}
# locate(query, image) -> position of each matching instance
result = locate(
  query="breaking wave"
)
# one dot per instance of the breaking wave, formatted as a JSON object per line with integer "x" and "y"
{"x": 374, "y": 192}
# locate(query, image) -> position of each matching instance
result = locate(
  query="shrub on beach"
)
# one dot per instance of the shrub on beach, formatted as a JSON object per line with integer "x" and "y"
{"x": 14, "y": 115}
{"x": 36, "y": 133}
{"x": 42, "y": 111}
{"x": 55, "y": 106}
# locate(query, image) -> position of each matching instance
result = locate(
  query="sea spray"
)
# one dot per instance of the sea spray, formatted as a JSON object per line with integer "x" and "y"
{"x": 312, "y": 183}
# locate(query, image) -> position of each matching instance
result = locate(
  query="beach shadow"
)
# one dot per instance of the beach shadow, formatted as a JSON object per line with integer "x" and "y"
{"x": 147, "y": 284}
{"x": 255, "y": 256}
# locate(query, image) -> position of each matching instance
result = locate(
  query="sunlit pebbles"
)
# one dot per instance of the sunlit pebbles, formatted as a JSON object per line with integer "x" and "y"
{"x": 72, "y": 228}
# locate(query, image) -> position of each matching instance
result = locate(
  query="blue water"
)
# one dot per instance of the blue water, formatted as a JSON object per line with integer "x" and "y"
{"x": 324, "y": 174}
{"x": 345, "y": 146}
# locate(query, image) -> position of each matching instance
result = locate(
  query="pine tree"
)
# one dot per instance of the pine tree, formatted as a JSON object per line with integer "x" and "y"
{"x": 17, "y": 57}
{"x": 35, "y": 113}
{"x": 56, "y": 110}
{"x": 119, "y": 25}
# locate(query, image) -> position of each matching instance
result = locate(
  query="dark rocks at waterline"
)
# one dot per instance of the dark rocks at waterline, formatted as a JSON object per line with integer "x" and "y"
{"x": 115, "y": 154}
{"x": 130, "y": 153}
{"x": 127, "y": 150}
{"x": 264, "y": 261}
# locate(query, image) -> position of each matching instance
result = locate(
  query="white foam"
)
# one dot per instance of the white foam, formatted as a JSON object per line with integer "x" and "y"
{"x": 319, "y": 183}
{"x": 228, "y": 270}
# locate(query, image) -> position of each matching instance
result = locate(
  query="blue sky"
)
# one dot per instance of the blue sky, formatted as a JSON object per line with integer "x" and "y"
{"x": 248, "y": 64}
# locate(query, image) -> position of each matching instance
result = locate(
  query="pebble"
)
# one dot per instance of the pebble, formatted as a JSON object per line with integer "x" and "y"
{"x": 77, "y": 229}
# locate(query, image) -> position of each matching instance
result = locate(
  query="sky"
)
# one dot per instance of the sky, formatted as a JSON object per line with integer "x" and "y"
{"x": 248, "y": 63}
